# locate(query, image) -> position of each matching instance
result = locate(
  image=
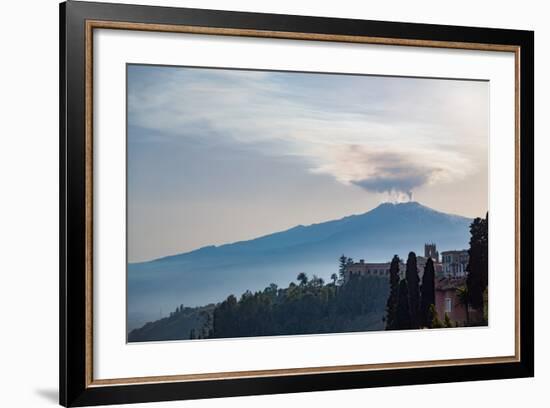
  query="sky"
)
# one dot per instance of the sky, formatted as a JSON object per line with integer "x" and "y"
{"x": 218, "y": 156}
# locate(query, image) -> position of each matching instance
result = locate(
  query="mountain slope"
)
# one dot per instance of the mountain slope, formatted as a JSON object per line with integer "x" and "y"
{"x": 211, "y": 273}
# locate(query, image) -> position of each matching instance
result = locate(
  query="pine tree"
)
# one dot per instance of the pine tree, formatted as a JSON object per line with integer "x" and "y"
{"x": 413, "y": 289}
{"x": 342, "y": 268}
{"x": 391, "y": 305}
{"x": 427, "y": 294}
{"x": 403, "y": 314}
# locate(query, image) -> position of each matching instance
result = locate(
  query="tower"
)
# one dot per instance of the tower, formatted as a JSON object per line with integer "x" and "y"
{"x": 430, "y": 251}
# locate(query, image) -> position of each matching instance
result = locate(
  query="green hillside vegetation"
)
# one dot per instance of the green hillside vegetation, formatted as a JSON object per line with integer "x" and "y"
{"x": 309, "y": 307}
{"x": 183, "y": 323}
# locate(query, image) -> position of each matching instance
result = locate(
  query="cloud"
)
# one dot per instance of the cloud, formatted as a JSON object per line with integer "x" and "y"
{"x": 402, "y": 182}
{"x": 396, "y": 172}
{"x": 385, "y": 135}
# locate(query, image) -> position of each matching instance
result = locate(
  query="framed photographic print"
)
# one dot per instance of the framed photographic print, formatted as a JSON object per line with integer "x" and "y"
{"x": 256, "y": 203}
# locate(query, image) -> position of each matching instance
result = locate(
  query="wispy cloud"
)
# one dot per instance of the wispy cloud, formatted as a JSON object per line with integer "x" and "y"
{"x": 384, "y": 135}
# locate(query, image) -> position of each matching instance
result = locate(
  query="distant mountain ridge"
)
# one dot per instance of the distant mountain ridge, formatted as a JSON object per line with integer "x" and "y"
{"x": 211, "y": 273}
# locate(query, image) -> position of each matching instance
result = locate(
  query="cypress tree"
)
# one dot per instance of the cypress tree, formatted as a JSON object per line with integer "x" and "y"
{"x": 427, "y": 294}
{"x": 391, "y": 305}
{"x": 403, "y": 314}
{"x": 413, "y": 289}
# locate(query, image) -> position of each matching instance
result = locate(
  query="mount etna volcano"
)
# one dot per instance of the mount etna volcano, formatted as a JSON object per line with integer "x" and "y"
{"x": 210, "y": 274}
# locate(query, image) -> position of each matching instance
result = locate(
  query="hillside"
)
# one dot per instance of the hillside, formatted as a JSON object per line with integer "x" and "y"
{"x": 210, "y": 274}
{"x": 307, "y": 307}
{"x": 180, "y": 324}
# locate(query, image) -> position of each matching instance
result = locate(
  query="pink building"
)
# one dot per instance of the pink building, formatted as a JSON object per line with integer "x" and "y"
{"x": 447, "y": 301}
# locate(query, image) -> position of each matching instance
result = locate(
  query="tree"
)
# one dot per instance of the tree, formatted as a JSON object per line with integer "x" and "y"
{"x": 342, "y": 267}
{"x": 427, "y": 294}
{"x": 464, "y": 300}
{"x": 479, "y": 261}
{"x": 344, "y": 261}
{"x": 391, "y": 305}
{"x": 316, "y": 282}
{"x": 486, "y": 306}
{"x": 403, "y": 314}
{"x": 413, "y": 289}
{"x": 301, "y": 308}
{"x": 302, "y": 278}
{"x": 334, "y": 278}
{"x": 436, "y": 323}
{"x": 272, "y": 289}
{"x": 447, "y": 322}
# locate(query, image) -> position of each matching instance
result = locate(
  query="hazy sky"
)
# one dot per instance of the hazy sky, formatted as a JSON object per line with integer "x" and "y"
{"x": 217, "y": 156}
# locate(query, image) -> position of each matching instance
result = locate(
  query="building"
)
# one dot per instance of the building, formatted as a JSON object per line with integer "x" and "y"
{"x": 363, "y": 268}
{"x": 450, "y": 272}
{"x": 447, "y": 301}
{"x": 430, "y": 251}
{"x": 382, "y": 269}
{"x": 455, "y": 262}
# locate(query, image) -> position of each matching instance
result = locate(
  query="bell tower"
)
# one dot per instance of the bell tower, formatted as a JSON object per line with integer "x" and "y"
{"x": 430, "y": 251}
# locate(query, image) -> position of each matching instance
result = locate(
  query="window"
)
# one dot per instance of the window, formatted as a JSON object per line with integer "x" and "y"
{"x": 448, "y": 305}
